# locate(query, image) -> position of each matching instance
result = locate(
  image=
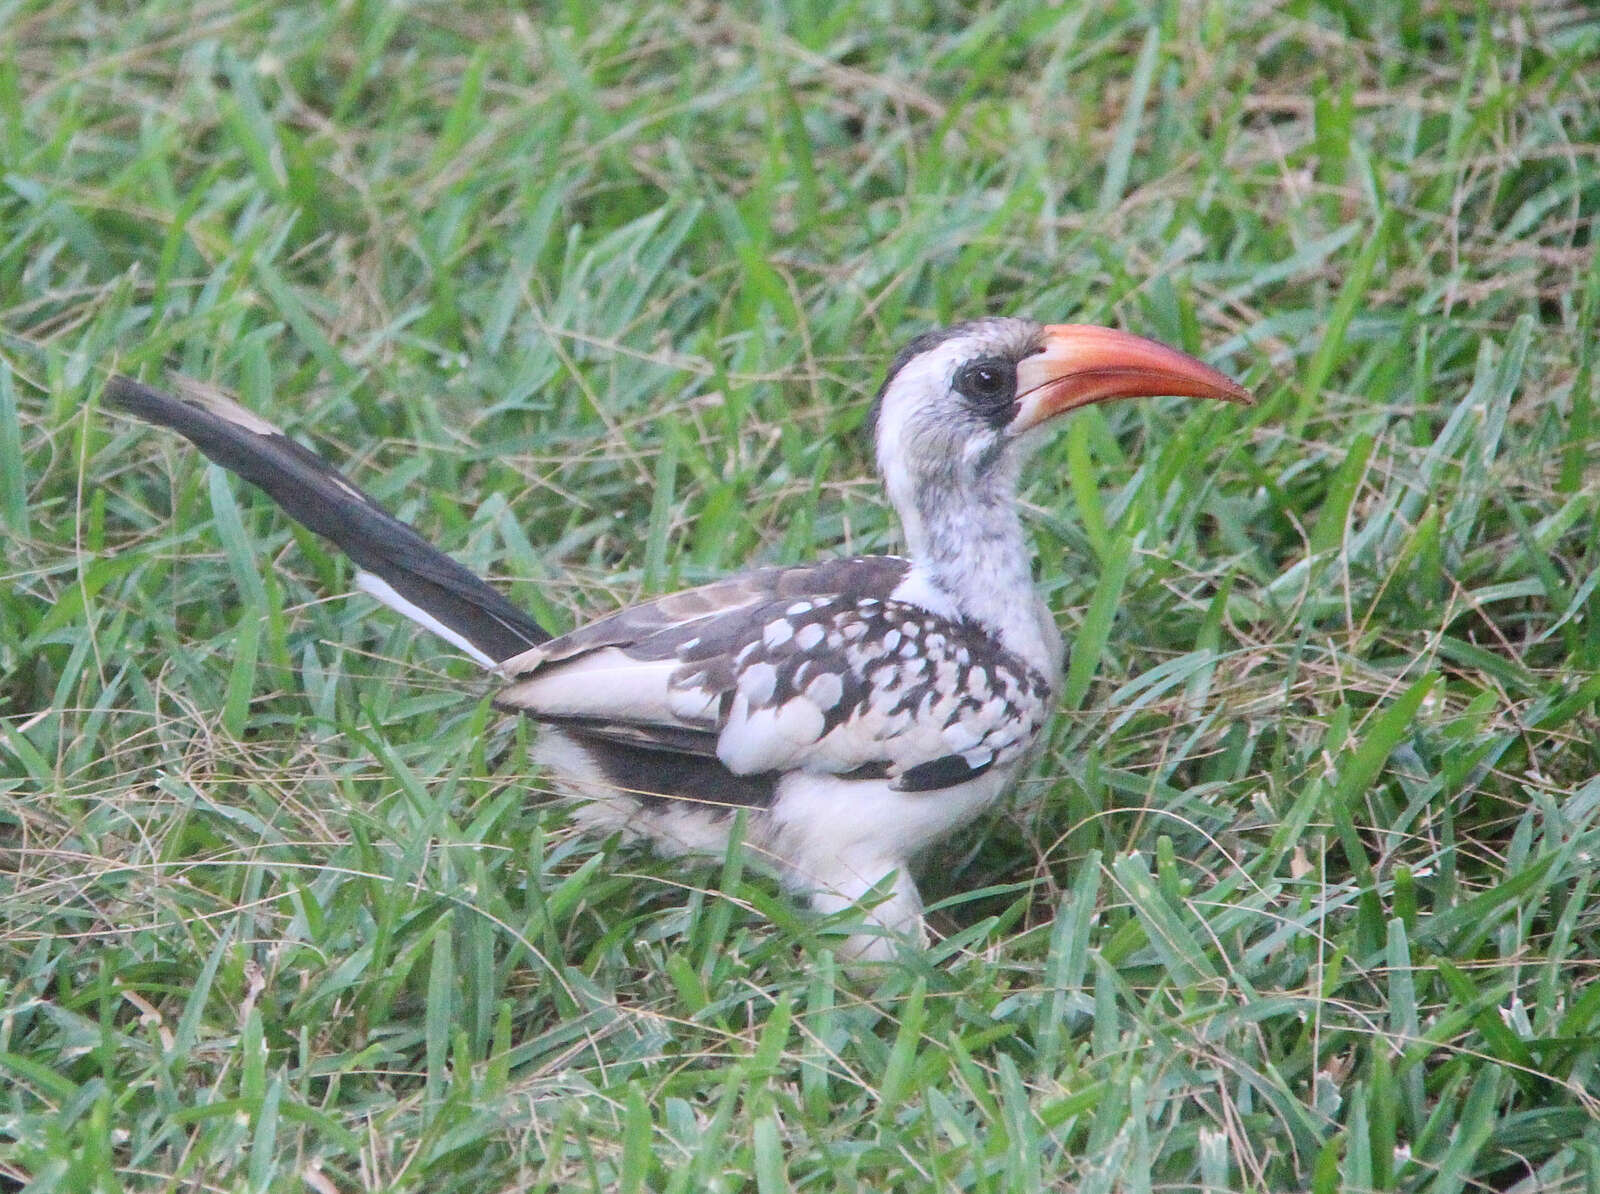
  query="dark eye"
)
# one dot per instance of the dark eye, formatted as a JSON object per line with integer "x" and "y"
{"x": 990, "y": 385}
{"x": 986, "y": 380}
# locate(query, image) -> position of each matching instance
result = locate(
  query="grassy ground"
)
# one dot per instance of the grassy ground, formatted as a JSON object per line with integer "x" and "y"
{"x": 1302, "y": 896}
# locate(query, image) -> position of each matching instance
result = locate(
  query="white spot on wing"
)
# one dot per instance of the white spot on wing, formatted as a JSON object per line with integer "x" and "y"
{"x": 960, "y": 738}
{"x": 776, "y": 633}
{"x": 746, "y": 745}
{"x": 825, "y": 690}
{"x": 800, "y": 722}
{"x": 693, "y": 704}
{"x": 757, "y": 682}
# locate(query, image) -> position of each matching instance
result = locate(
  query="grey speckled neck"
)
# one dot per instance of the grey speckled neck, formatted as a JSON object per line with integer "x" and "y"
{"x": 970, "y": 547}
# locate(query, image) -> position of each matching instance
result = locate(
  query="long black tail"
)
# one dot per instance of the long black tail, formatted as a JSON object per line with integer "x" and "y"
{"x": 398, "y": 566}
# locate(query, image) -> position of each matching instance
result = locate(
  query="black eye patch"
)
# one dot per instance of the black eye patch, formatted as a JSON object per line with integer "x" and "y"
{"x": 989, "y": 384}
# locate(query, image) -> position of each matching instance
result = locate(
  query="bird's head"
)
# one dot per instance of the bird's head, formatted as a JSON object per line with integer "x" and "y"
{"x": 961, "y": 407}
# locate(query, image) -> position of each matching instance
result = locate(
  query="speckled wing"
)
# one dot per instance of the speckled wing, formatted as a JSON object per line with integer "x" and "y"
{"x": 815, "y": 668}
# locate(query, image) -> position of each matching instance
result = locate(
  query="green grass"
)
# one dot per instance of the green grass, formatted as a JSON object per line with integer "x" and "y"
{"x": 1302, "y": 895}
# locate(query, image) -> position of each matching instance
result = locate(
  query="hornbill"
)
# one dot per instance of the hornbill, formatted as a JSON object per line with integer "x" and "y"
{"x": 859, "y": 708}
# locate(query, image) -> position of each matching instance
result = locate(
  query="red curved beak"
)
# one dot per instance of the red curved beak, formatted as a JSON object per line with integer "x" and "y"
{"x": 1081, "y": 364}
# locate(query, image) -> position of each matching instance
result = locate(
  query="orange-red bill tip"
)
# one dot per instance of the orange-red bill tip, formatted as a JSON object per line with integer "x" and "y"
{"x": 1081, "y": 364}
